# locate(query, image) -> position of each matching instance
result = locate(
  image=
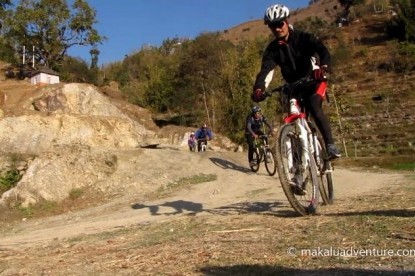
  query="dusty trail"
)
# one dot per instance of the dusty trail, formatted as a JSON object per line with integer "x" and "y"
{"x": 236, "y": 190}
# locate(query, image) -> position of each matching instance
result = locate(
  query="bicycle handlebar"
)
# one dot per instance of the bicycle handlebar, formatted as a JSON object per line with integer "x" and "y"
{"x": 290, "y": 86}
{"x": 263, "y": 136}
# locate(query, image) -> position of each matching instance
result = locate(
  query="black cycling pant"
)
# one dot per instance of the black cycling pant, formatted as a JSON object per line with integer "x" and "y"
{"x": 251, "y": 144}
{"x": 313, "y": 103}
{"x": 314, "y": 106}
{"x": 199, "y": 144}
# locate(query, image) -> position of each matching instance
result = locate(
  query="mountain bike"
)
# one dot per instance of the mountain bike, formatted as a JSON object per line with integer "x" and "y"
{"x": 203, "y": 145}
{"x": 264, "y": 154}
{"x": 302, "y": 164}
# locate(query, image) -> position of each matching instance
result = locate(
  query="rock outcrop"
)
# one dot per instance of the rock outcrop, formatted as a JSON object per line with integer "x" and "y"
{"x": 71, "y": 132}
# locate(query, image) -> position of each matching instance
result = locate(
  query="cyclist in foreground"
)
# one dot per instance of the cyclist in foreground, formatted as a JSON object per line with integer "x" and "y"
{"x": 203, "y": 134}
{"x": 253, "y": 128}
{"x": 293, "y": 51}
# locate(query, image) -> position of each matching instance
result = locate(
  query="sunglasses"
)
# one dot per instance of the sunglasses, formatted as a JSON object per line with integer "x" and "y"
{"x": 275, "y": 25}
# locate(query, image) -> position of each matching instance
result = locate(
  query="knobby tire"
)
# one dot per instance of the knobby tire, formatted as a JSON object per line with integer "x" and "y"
{"x": 257, "y": 158}
{"x": 303, "y": 204}
{"x": 270, "y": 163}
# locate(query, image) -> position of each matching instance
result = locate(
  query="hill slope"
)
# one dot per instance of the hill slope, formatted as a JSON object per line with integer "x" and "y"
{"x": 255, "y": 28}
{"x": 372, "y": 101}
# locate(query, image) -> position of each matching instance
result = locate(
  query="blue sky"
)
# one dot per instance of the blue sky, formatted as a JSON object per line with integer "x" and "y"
{"x": 131, "y": 24}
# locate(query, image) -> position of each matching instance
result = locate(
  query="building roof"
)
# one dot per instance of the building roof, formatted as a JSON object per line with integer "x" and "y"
{"x": 45, "y": 70}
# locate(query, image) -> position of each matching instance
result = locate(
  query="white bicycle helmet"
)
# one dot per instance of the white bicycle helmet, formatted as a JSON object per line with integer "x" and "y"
{"x": 276, "y": 13}
{"x": 256, "y": 109}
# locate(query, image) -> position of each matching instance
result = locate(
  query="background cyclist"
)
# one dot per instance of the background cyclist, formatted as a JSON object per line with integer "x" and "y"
{"x": 253, "y": 128}
{"x": 191, "y": 142}
{"x": 203, "y": 134}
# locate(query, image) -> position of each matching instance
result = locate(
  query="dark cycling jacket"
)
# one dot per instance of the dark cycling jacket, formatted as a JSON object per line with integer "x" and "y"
{"x": 292, "y": 56}
{"x": 204, "y": 134}
{"x": 255, "y": 126}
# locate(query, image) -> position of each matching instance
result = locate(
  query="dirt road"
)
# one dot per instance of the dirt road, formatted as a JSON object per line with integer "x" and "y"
{"x": 235, "y": 190}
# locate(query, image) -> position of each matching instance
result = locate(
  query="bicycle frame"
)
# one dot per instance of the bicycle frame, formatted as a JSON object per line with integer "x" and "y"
{"x": 261, "y": 142}
{"x": 298, "y": 152}
{"x": 263, "y": 153}
{"x": 308, "y": 140}
{"x": 203, "y": 144}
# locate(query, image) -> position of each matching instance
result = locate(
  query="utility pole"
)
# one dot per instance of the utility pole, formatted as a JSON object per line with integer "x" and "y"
{"x": 33, "y": 57}
{"x": 24, "y": 55}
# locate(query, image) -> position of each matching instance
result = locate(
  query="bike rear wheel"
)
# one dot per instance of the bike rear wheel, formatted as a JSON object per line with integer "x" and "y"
{"x": 270, "y": 163}
{"x": 257, "y": 160}
{"x": 289, "y": 161}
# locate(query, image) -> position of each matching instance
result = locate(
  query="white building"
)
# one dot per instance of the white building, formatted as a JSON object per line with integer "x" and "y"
{"x": 44, "y": 76}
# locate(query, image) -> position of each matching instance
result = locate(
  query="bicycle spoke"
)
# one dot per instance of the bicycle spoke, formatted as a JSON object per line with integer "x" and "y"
{"x": 298, "y": 179}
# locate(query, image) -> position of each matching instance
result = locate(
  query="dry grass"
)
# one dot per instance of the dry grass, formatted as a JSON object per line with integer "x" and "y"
{"x": 249, "y": 243}
{"x": 78, "y": 200}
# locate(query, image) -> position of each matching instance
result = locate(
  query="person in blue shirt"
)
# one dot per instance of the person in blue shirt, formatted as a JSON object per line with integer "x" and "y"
{"x": 203, "y": 134}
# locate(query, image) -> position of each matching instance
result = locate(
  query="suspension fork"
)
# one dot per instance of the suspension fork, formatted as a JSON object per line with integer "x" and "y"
{"x": 301, "y": 127}
{"x": 305, "y": 137}
{"x": 316, "y": 150}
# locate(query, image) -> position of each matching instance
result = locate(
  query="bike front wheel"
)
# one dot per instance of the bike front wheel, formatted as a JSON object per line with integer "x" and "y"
{"x": 257, "y": 160}
{"x": 270, "y": 163}
{"x": 303, "y": 197}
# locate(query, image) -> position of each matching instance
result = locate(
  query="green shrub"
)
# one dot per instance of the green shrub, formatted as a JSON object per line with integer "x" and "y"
{"x": 9, "y": 180}
{"x": 76, "y": 193}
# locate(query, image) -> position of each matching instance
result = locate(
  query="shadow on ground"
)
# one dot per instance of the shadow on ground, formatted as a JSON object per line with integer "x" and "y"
{"x": 227, "y": 165}
{"x": 192, "y": 208}
{"x": 280, "y": 270}
{"x": 384, "y": 213}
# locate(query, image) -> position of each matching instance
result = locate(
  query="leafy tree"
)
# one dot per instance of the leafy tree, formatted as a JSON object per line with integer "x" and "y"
{"x": 4, "y": 4}
{"x": 347, "y": 4}
{"x": 403, "y": 25}
{"x": 52, "y": 26}
{"x": 238, "y": 73}
{"x": 7, "y": 52}
{"x": 3, "y": 9}
{"x": 77, "y": 70}
{"x": 198, "y": 76}
{"x": 314, "y": 25}
{"x": 147, "y": 78}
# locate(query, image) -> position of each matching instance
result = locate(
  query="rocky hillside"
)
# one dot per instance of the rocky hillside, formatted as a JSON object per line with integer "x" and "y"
{"x": 64, "y": 137}
{"x": 376, "y": 102}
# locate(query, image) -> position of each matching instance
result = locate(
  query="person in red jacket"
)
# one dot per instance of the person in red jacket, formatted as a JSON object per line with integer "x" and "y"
{"x": 292, "y": 51}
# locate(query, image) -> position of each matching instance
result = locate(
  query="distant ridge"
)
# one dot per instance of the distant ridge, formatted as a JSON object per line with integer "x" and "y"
{"x": 256, "y": 28}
